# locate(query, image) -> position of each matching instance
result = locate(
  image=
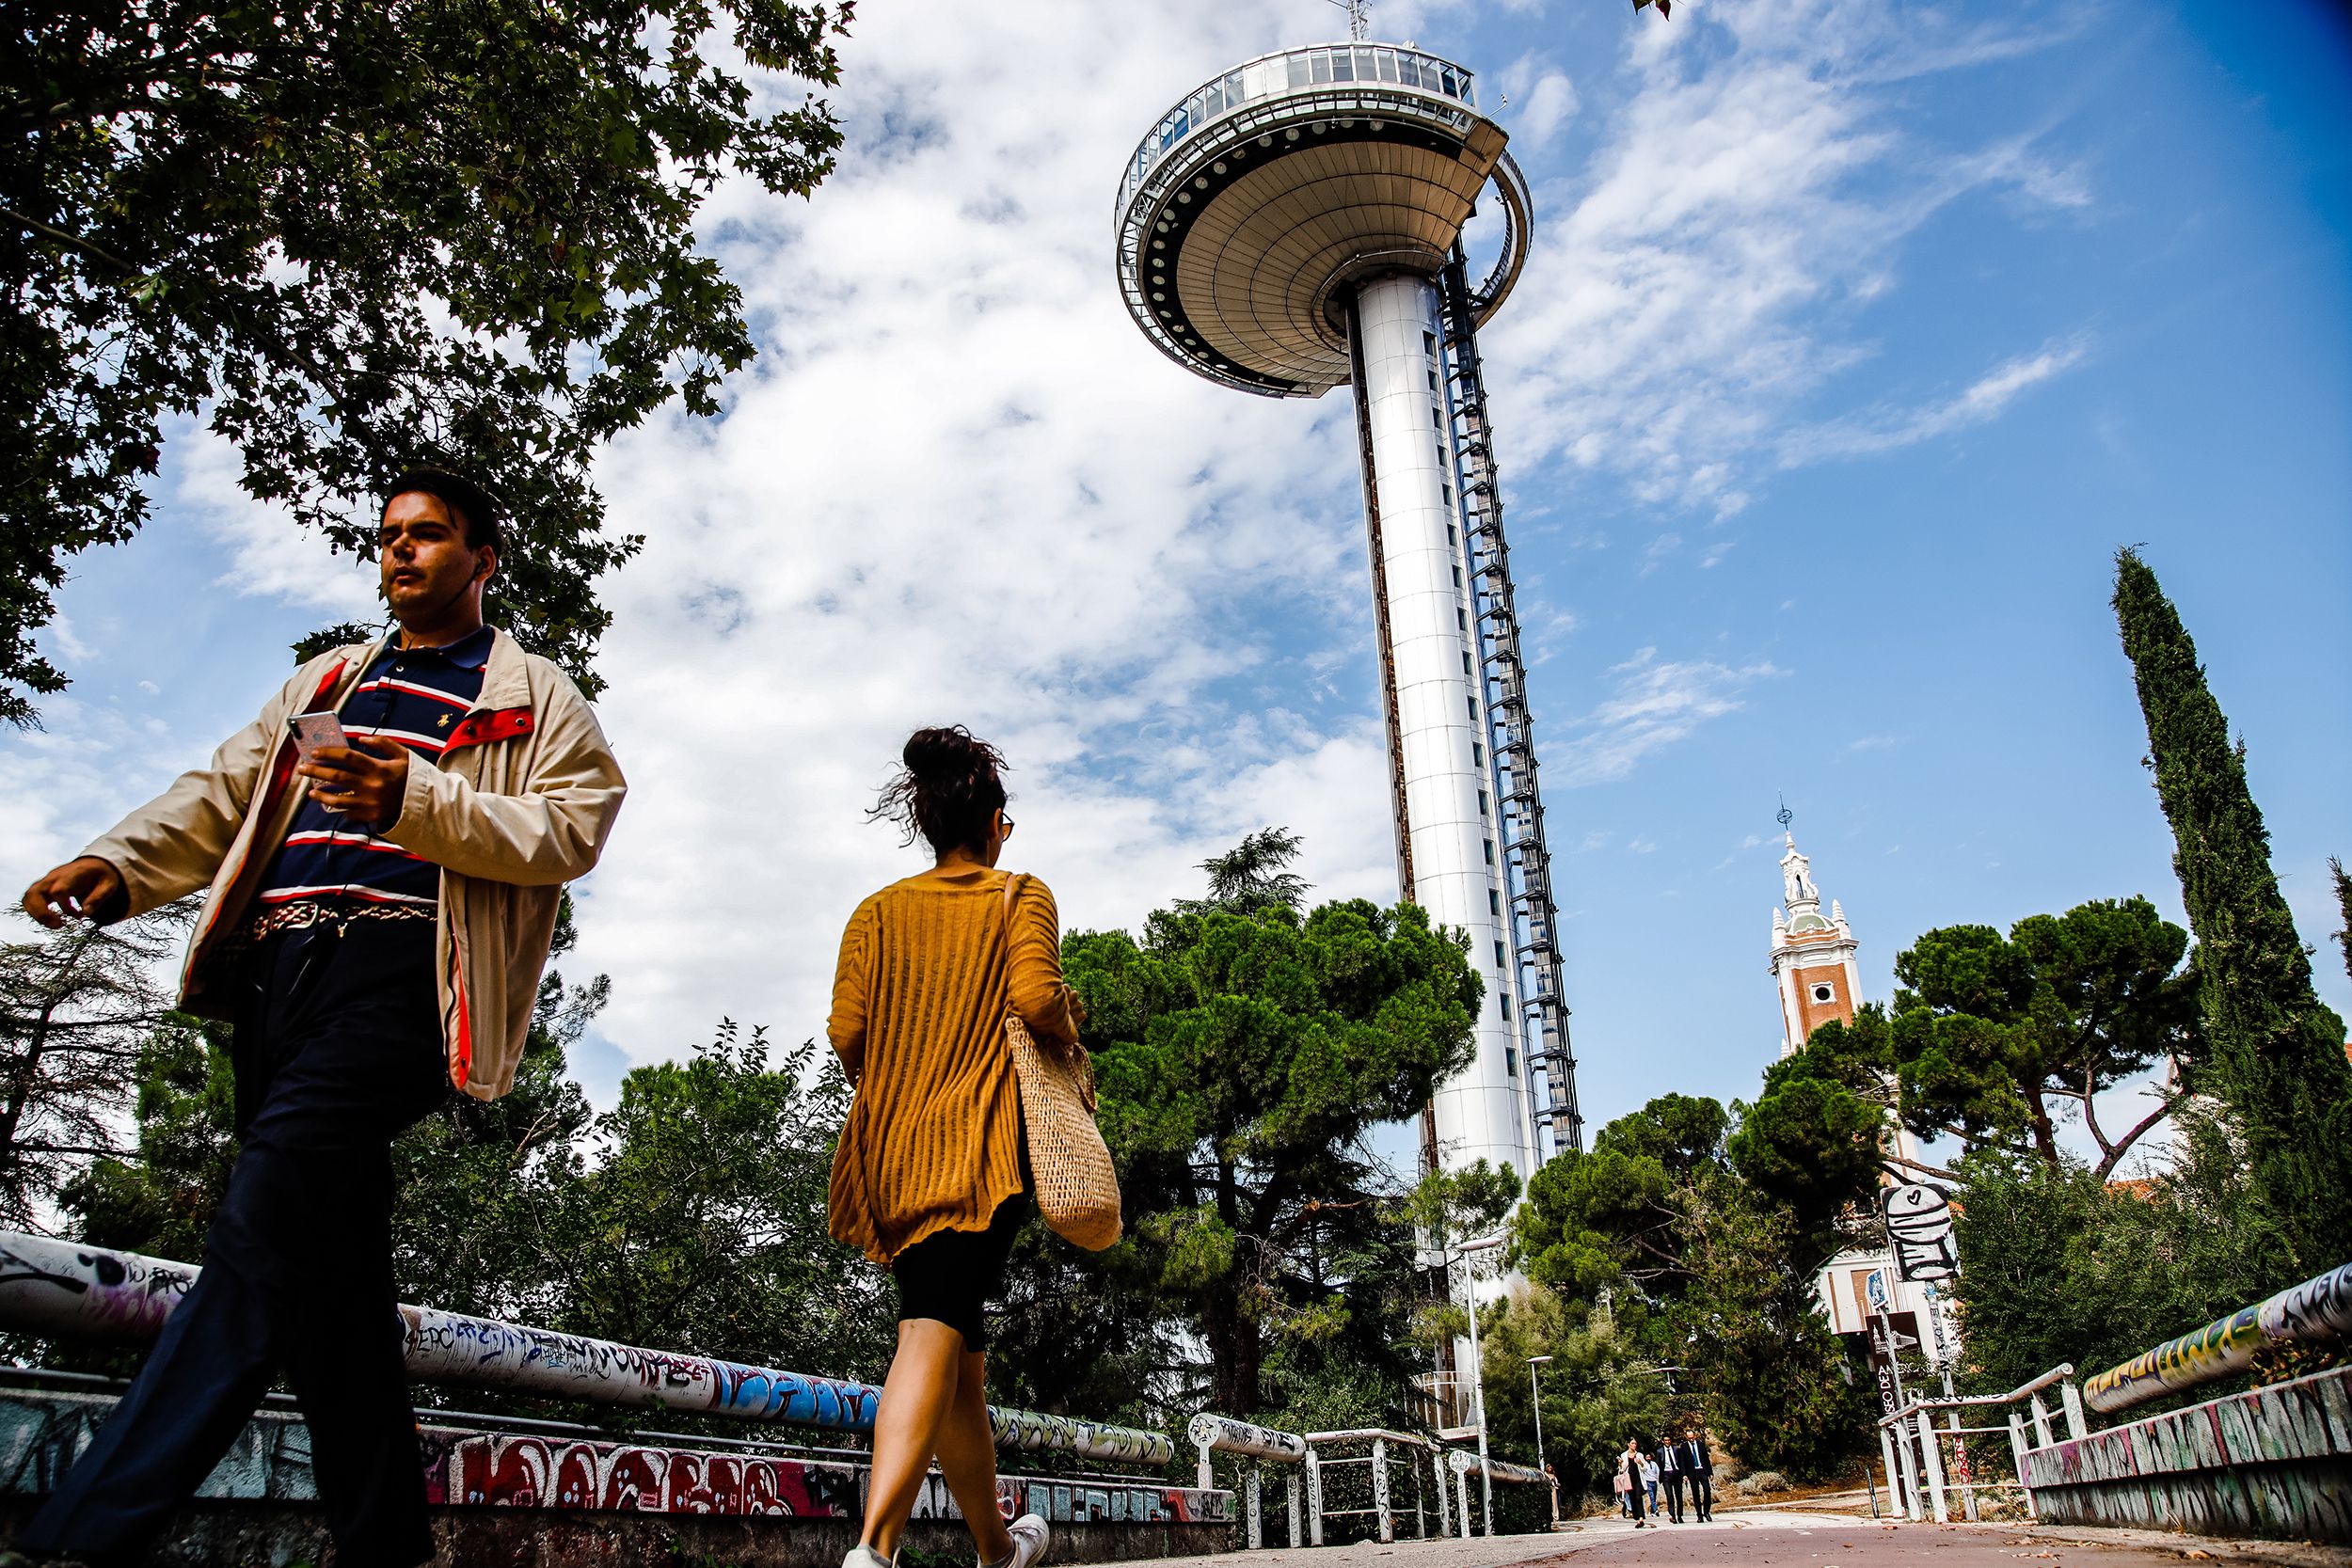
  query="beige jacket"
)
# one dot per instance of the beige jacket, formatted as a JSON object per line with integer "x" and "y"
{"x": 519, "y": 804}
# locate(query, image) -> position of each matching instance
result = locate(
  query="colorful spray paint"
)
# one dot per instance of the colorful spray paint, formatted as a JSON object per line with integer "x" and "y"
{"x": 2314, "y": 1311}
{"x": 57, "y": 1288}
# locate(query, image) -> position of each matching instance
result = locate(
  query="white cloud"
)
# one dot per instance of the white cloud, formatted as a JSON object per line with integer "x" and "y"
{"x": 270, "y": 557}
{"x": 1696, "y": 284}
{"x": 1654, "y": 704}
{"x": 1983, "y": 399}
{"x": 960, "y": 486}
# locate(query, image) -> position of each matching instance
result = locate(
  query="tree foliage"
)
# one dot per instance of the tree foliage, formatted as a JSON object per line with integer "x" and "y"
{"x": 2274, "y": 1053}
{"x": 1722, "y": 1271}
{"x": 81, "y": 1020}
{"x": 352, "y": 238}
{"x": 2060, "y": 1265}
{"x": 1242, "y": 1059}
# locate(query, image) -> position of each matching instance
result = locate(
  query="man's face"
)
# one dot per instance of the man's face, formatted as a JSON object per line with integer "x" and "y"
{"x": 421, "y": 552}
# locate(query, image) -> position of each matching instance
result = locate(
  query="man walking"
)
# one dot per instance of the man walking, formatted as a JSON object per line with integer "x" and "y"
{"x": 1670, "y": 1471}
{"x": 377, "y": 919}
{"x": 1698, "y": 1470}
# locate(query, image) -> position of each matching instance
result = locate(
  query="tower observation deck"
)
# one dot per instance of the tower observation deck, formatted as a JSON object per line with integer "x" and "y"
{"x": 1296, "y": 225}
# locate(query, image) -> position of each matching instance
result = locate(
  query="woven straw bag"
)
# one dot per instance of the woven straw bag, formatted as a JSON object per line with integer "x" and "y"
{"x": 1070, "y": 1167}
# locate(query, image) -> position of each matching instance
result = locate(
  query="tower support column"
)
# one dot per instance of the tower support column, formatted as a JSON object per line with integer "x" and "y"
{"x": 1451, "y": 852}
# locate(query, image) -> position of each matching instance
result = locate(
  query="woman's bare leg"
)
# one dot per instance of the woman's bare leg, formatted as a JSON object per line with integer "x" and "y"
{"x": 967, "y": 1457}
{"x": 917, "y": 1398}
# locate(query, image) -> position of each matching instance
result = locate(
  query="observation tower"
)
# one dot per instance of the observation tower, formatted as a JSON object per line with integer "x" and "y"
{"x": 1296, "y": 225}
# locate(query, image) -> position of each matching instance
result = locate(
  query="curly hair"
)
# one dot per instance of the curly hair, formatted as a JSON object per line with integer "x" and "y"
{"x": 948, "y": 789}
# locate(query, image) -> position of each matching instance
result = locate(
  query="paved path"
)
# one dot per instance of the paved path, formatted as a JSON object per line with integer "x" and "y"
{"x": 1794, "y": 1539}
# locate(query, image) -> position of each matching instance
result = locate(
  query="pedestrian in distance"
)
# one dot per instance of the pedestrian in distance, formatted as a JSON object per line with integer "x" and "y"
{"x": 1649, "y": 1481}
{"x": 385, "y": 849}
{"x": 1630, "y": 1469}
{"x": 1698, "y": 1470}
{"x": 1670, "y": 1458}
{"x": 928, "y": 1178}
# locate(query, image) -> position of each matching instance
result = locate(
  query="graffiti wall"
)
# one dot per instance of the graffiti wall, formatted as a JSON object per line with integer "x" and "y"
{"x": 2271, "y": 1462}
{"x": 60, "y": 1289}
{"x": 2317, "y": 1310}
{"x": 42, "y": 1431}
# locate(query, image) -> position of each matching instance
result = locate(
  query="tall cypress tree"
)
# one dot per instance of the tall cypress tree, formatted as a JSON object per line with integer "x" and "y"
{"x": 2274, "y": 1052}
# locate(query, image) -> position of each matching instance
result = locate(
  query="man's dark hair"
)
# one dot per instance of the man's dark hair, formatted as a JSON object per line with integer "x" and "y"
{"x": 475, "y": 509}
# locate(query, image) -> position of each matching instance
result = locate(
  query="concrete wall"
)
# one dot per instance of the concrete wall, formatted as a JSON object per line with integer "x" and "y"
{"x": 510, "y": 1499}
{"x": 2272, "y": 1462}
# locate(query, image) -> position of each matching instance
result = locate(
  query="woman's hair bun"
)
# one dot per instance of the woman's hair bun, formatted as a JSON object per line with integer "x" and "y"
{"x": 948, "y": 790}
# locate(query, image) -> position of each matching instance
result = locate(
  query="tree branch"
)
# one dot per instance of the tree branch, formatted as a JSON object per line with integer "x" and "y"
{"x": 1923, "y": 1167}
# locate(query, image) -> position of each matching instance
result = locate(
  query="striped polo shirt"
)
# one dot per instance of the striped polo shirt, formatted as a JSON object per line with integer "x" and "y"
{"x": 416, "y": 696}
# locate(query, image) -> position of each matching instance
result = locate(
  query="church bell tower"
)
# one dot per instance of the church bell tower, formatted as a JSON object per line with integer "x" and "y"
{"x": 1813, "y": 957}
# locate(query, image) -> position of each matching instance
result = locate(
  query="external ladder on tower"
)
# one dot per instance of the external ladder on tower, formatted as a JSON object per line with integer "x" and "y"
{"x": 1528, "y": 862}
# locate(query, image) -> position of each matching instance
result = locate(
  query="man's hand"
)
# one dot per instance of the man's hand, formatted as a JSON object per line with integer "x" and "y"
{"x": 88, "y": 887}
{"x": 366, "y": 781}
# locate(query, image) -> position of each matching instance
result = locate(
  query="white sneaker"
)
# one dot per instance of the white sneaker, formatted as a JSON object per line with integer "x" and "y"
{"x": 863, "y": 1556}
{"x": 1031, "y": 1536}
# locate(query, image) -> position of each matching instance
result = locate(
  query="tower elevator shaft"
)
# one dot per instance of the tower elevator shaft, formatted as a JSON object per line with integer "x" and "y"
{"x": 1455, "y": 702}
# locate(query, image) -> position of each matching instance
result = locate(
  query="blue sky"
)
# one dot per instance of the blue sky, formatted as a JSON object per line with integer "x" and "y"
{"x": 1854, "y": 339}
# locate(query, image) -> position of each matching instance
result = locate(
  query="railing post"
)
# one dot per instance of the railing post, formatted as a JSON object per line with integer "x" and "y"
{"x": 1380, "y": 1492}
{"x": 2073, "y": 1398}
{"x": 1462, "y": 1487}
{"x": 1206, "y": 1474}
{"x": 2042, "y": 1435}
{"x": 1290, "y": 1482}
{"x": 2017, "y": 1452}
{"x": 1960, "y": 1466}
{"x": 1314, "y": 1499}
{"x": 1445, "y": 1507}
{"x": 1894, "y": 1491}
{"x": 1933, "y": 1463}
{"x": 1906, "y": 1450}
{"x": 1257, "y": 1529}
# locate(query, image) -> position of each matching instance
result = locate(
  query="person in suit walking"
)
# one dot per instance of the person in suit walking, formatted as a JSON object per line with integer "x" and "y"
{"x": 1698, "y": 1470}
{"x": 1670, "y": 1460}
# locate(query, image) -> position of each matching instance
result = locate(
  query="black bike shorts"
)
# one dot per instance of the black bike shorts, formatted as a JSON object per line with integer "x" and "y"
{"x": 948, "y": 1275}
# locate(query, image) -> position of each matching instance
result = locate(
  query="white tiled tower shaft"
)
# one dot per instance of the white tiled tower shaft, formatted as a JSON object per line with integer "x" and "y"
{"x": 1456, "y": 851}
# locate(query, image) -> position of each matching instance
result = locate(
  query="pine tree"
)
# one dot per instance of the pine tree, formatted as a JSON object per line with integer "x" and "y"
{"x": 2275, "y": 1053}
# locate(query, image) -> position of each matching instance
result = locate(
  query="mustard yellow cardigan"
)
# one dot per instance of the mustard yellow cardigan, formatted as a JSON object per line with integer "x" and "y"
{"x": 933, "y": 1141}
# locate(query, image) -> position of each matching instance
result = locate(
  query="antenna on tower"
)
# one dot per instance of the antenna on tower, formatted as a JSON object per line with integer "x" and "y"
{"x": 1358, "y": 17}
{"x": 1784, "y": 816}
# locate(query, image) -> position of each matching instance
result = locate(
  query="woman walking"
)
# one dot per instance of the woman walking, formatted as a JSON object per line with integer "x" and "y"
{"x": 1630, "y": 1469}
{"x": 929, "y": 1179}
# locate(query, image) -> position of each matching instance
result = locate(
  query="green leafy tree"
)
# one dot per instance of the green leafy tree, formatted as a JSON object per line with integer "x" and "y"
{"x": 1253, "y": 875}
{"x": 699, "y": 1222}
{"x": 80, "y": 1010}
{"x": 2060, "y": 1265}
{"x": 2343, "y": 905}
{"x": 1815, "y": 1141}
{"x": 2274, "y": 1053}
{"x": 354, "y": 238}
{"x": 1719, "y": 1273}
{"x": 1602, "y": 1386}
{"x": 1242, "y": 1060}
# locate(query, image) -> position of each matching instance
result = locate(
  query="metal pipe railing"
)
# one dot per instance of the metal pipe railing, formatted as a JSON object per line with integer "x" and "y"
{"x": 1215, "y": 1434}
{"x": 1909, "y": 1436}
{"x": 57, "y": 1288}
{"x": 2316, "y": 1311}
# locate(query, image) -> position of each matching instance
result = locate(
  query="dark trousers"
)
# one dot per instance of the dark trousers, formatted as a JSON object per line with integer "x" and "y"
{"x": 1703, "y": 1495}
{"x": 1673, "y": 1495}
{"x": 338, "y": 1047}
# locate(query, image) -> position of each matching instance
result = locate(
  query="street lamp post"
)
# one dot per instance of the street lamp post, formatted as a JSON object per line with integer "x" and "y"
{"x": 1534, "y": 1389}
{"x": 1478, "y": 1377}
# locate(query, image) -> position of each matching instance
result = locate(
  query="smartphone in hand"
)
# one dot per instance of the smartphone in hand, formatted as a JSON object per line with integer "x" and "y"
{"x": 314, "y": 730}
